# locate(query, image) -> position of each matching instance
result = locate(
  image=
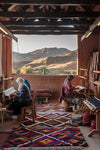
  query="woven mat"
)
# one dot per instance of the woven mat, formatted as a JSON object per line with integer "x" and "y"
{"x": 47, "y": 148}
{"x": 50, "y": 131}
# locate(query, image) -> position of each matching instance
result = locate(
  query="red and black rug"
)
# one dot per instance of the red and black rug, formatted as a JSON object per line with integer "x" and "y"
{"x": 50, "y": 129}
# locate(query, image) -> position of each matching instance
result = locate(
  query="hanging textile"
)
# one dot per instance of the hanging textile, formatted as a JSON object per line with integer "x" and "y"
{"x": 94, "y": 64}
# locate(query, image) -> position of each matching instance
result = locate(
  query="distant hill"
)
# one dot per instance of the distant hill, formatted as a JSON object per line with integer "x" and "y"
{"x": 61, "y": 59}
{"x": 56, "y": 60}
{"x": 40, "y": 53}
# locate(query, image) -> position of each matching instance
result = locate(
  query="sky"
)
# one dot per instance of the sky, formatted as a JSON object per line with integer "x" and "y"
{"x": 28, "y": 43}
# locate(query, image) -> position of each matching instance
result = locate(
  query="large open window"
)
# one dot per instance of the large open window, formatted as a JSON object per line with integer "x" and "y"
{"x": 45, "y": 54}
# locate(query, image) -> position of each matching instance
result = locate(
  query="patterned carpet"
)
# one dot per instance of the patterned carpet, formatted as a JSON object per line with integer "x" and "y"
{"x": 51, "y": 128}
{"x": 47, "y": 148}
{"x": 51, "y": 107}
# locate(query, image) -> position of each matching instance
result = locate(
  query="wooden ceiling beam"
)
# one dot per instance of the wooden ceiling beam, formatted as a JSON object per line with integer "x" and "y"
{"x": 50, "y": 22}
{"x": 47, "y": 28}
{"x": 54, "y": 2}
{"x": 7, "y": 32}
{"x": 48, "y": 15}
{"x": 95, "y": 24}
{"x": 11, "y": 7}
{"x": 46, "y": 32}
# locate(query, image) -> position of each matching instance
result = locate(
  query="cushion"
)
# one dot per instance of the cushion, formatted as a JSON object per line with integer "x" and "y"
{"x": 86, "y": 118}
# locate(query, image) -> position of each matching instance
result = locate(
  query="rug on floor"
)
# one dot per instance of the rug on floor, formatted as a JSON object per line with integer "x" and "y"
{"x": 49, "y": 129}
{"x": 54, "y": 107}
{"x": 47, "y": 148}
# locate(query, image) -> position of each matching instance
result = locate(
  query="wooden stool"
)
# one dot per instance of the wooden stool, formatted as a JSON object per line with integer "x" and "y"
{"x": 31, "y": 107}
{"x": 67, "y": 100}
{"x": 68, "y": 109}
{"x": 67, "y": 104}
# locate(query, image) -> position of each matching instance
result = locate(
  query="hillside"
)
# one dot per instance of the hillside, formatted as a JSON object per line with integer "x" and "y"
{"x": 56, "y": 64}
{"x": 65, "y": 58}
{"x": 40, "y": 53}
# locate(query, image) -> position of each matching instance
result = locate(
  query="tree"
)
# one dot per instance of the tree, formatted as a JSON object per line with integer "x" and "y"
{"x": 28, "y": 69}
{"x": 18, "y": 71}
{"x": 71, "y": 72}
{"x": 23, "y": 69}
{"x": 13, "y": 70}
{"x": 44, "y": 70}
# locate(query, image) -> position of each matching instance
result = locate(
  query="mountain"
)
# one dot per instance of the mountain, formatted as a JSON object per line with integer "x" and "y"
{"x": 40, "y": 53}
{"x": 57, "y": 61}
{"x": 61, "y": 59}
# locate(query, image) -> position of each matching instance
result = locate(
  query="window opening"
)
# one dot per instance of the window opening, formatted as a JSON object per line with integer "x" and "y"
{"x": 52, "y": 58}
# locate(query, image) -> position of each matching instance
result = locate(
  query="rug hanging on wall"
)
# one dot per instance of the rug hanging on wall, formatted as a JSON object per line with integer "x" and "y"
{"x": 49, "y": 130}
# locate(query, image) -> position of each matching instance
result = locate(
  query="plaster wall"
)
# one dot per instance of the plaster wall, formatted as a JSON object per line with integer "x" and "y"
{"x": 43, "y": 81}
{"x": 84, "y": 49}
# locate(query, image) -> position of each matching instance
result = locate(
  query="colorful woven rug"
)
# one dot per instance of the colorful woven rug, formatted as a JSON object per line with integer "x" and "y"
{"x": 47, "y": 148}
{"x": 54, "y": 107}
{"x": 49, "y": 129}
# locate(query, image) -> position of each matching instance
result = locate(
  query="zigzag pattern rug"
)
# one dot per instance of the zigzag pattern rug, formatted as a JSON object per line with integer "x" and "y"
{"x": 50, "y": 129}
{"x": 54, "y": 107}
